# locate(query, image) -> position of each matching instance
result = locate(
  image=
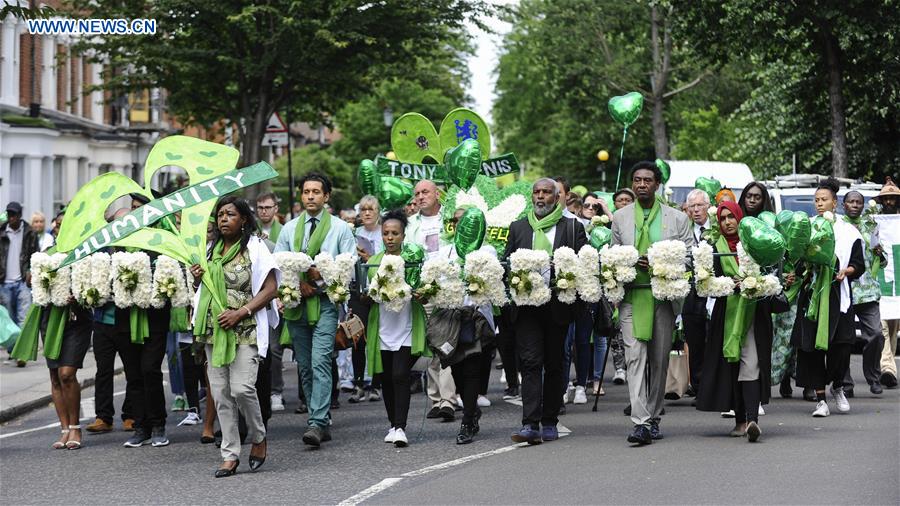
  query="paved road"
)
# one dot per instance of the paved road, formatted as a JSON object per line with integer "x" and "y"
{"x": 843, "y": 459}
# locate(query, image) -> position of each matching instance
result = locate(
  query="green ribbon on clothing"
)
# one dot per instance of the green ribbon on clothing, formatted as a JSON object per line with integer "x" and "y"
{"x": 541, "y": 226}
{"x": 313, "y": 246}
{"x": 819, "y": 305}
{"x": 224, "y": 340}
{"x": 285, "y": 338}
{"x": 739, "y": 310}
{"x": 139, "y": 323}
{"x": 643, "y": 305}
{"x": 178, "y": 320}
{"x": 27, "y": 345}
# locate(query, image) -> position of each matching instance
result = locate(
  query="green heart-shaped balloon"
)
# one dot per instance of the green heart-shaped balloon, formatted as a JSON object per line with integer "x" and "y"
{"x": 796, "y": 231}
{"x": 393, "y": 192}
{"x": 625, "y": 109}
{"x": 762, "y": 242}
{"x": 470, "y": 232}
{"x": 782, "y": 219}
{"x": 463, "y": 163}
{"x": 368, "y": 177}
{"x": 600, "y": 237}
{"x": 768, "y": 217}
{"x": 710, "y": 185}
{"x": 413, "y": 138}
{"x": 821, "y": 243}
{"x": 413, "y": 253}
{"x": 664, "y": 169}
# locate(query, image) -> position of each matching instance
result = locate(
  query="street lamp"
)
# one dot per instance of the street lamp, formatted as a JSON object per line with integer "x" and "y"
{"x": 388, "y": 117}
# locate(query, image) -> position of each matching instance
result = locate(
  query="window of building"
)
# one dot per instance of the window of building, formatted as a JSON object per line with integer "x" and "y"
{"x": 58, "y": 184}
{"x": 17, "y": 179}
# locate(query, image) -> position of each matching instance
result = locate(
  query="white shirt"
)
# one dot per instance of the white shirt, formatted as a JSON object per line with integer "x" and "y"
{"x": 430, "y": 227}
{"x": 697, "y": 232}
{"x": 47, "y": 241}
{"x": 395, "y": 328}
{"x": 13, "y": 268}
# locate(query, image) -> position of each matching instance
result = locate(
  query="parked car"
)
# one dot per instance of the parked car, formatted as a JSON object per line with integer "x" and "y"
{"x": 797, "y": 192}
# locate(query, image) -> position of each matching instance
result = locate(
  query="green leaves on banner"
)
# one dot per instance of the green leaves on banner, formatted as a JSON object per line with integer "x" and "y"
{"x": 413, "y": 137}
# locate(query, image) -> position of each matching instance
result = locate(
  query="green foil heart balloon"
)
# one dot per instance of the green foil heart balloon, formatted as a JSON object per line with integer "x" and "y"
{"x": 821, "y": 242}
{"x": 600, "y": 237}
{"x": 782, "y": 219}
{"x": 625, "y": 109}
{"x": 463, "y": 163}
{"x": 368, "y": 177}
{"x": 762, "y": 242}
{"x": 796, "y": 231}
{"x": 470, "y": 232}
{"x": 710, "y": 185}
{"x": 413, "y": 254}
{"x": 768, "y": 217}
{"x": 664, "y": 169}
{"x": 393, "y": 192}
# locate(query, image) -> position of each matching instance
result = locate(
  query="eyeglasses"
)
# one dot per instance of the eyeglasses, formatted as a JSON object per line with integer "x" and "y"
{"x": 595, "y": 207}
{"x": 266, "y": 208}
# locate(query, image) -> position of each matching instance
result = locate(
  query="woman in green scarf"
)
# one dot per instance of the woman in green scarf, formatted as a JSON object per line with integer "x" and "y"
{"x": 394, "y": 340}
{"x": 232, "y": 319}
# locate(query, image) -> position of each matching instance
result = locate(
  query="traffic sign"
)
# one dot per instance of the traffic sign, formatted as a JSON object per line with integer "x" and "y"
{"x": 276, "y": 132}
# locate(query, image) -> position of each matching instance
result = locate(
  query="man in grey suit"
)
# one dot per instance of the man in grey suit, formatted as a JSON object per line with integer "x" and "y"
{"x": 647, "y": 323}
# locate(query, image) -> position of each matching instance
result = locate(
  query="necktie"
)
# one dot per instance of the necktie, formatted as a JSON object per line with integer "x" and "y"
{"x": 312, "y": 225}
{"x": 700, "y": 235}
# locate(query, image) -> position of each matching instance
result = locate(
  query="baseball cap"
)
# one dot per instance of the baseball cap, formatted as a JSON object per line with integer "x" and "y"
{"x": 14, "y": 207}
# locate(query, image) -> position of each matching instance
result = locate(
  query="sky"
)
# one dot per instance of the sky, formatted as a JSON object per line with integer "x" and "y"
{"x": 484, "y": 62}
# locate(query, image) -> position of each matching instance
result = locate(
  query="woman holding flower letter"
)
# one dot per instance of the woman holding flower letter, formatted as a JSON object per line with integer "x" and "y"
{"x": 646, "y": 322}
{"x": 232, "y": 317}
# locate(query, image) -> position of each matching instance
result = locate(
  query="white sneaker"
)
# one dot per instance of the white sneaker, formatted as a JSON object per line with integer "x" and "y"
{"x": 843, "y": 405}
{"x": 619, "y": 378}
{"x": 503, "y": 376}
{"x": 570, "y": 394}
{"x": 391, "y": 435}
{"x": 277, "y": 402}
{"x": 821, "y": 410}
{"x": 192, "y": 418}
{"x": 727, "y": 414}
{"x": 459, "y": 402}
{"x": 761, "y": 411}
{"x": 400, "y": 440}
{"x": 483, "y": 401}
{"x": 580, "y": 396}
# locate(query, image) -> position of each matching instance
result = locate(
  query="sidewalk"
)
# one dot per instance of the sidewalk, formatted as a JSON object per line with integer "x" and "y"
{"x": 28, "y": 388}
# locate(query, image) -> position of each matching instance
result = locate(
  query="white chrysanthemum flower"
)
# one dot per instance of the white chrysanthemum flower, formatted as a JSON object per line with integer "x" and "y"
{"x": 483, "y": 268}
{"x": 336, "y": 273}
{"x": 828, "y": 215}
{"x": 442, "y": 284}
{"x": 169, "y": 283}
{"x": 389, "y": 287}
{"x": 528, "y": 265}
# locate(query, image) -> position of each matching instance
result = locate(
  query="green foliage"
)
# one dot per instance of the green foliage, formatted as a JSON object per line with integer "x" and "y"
{"x": 702, "y": 135}
{"x": 314, "y": 158}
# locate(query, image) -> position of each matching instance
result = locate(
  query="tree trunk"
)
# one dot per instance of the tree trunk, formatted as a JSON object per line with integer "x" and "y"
{"x": 838, "y": 115}
{"x": 662, "y": 53}
{"x": 251, "y": 147}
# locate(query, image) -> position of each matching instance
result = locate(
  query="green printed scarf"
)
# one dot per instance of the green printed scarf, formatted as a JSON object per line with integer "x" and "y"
{"x": 224, "y": 340}
{"x": 312, "y": 304}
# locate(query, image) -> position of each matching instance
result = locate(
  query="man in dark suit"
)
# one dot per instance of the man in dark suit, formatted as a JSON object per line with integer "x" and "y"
{"x": 693, "y": 314}
{"x": 541, "y": 331}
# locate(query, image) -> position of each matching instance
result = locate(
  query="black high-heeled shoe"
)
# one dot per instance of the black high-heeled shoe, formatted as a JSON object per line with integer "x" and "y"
{"x": 206, "y": 440}
{"x": 222, "y": 472}
{"x": 257, "y": 462}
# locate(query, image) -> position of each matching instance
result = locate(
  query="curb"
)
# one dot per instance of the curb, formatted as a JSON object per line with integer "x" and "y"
{"x": 27, "y": 407}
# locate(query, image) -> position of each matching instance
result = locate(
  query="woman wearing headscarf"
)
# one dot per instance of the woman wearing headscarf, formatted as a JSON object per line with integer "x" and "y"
{"x": 824, "y": 330}
{"x": 755, "y": 199}
{"x": 736, "y": 369}
{"x": 725, "y": 195}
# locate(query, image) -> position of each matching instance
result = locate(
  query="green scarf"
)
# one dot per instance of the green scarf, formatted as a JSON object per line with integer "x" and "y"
{"x": 791, "y": 292}
{"x": 178, "y": 320}
{"x": 274, "y": 231}
{"x": 643, "y": 305}
{"x": 139, "y": 323}
{"x": 873, "y": 260}
{"x": 541, "y": 226}
{"x": 27, "y": 344}
{"x": 819, "y": 304}
{"x": 373, "y": 340}
{"x": 739, "y": 310}
{"x": 224, "y": 341}
{"x": 312, "y": 304}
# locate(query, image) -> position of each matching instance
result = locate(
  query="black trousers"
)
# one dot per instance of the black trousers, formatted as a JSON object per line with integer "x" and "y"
{"x": 193, "y": 375}
{"x": 818, "y": 368}
{"x": 540, "y": 343}
{"x": 395, "y": 384}
{"x": 487, "y": 361}
{"x": 869, "y": 316}
{"x": 506, "y": 345}
{"x": 747, "y": 397}
{"x": 468, "y": 375}
{"x": 107, "y": 342}
{"x": 695, "y": 337}
{"x": 149, "y": 406}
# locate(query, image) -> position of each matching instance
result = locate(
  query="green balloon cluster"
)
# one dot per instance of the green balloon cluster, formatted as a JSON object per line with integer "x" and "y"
{"x": 796, "y": 229}
{"x": 470, "y": 231}
{"x": 768, "y": 217}
{"x": 463, "y": 163}
{"x": 600, "y": 237}
{"x": 625, "y": 109}
{"x": 368, "y": 177}
{"x": 820, "y": 250}
{"x": 710, "y": 185}
{"x": 761, "y": 241}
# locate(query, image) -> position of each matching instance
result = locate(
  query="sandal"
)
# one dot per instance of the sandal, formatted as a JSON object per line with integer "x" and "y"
{"x": 74, "y": 445}
{"x": 60, "y": 445}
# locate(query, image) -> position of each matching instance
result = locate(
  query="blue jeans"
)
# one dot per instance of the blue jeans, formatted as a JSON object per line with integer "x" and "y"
{"x": 579, "y": 334}
{"x": 600, "y": 344}
{"x": 16, "y": 298}
{"x": 313, "y": 346}
{"x": 173, "y": 355}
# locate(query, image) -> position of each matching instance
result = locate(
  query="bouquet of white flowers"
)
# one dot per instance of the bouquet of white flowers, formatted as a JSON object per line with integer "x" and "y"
{"x": 49, "y": 286}
{"x": 566, "y": 267}
{"x": 706, "y": 283}
{"x": 526, "y": 281}
{"x": 754, "y": 284}
{"x": 442, "y": 284}
{"x": 588, "y": 279}
{"x": 291, "y": 264}
{"x": 336, "y": 273}
{"x": 132, "y": 279}
{"x": 483, "y": 279}
{"x": 169, "y": 283}
{"x": 91, "y": 280}
{"x": 388, "y": 286}
{"x": 668, "y": 279}
{"x": 617, "y": 269}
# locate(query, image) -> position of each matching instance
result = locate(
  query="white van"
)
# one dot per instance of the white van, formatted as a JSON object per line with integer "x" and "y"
{"x": 796, "y": 192}
{"x": 732, "y": 175}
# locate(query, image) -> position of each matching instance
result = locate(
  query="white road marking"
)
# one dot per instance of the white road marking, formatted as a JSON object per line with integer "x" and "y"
{"x": 369, "y": 492}
{"x": 86, "y": 402}
{"x": 459, "y": 461}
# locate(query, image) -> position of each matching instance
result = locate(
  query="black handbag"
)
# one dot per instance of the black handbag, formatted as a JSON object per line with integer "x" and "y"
{"x": 604, "y": 324}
